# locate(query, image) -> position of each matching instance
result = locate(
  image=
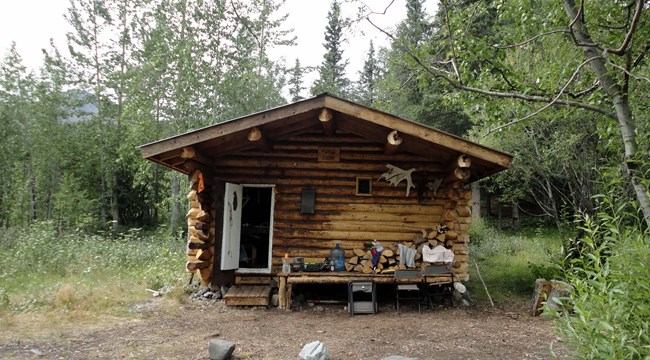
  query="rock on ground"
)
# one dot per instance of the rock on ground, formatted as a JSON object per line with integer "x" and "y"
{"x": 315, "y": 350}
{"x": 221, "y": 349}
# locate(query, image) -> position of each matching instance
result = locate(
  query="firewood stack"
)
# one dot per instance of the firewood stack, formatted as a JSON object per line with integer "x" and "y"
{"x": 200, "y": 225}
{"x": 390, "y": 257}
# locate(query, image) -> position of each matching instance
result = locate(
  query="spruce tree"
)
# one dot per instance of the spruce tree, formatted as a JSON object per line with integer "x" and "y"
{"x": 368, "y": 78}
{"x": 295, "y": 82}
{"x": 331, "y": 72}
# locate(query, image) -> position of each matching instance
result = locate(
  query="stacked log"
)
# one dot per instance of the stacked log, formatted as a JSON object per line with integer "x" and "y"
{"x": 390, "y": 259}
{"x": 200, "y": 229}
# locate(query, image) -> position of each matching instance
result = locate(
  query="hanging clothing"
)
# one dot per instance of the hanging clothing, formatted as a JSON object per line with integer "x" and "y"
{"x": 406, "y": 255}
{"x": 437, "y": 254}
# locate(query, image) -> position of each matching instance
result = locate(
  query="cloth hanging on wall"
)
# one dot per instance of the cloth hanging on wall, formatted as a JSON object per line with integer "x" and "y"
{"x": 406, "y": 255}
{"x": 437, "y": 254}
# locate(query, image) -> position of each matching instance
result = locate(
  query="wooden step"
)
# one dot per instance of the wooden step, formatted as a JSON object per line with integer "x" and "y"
{"x": 253, "y": 280}
{"x": 248, "y": 295}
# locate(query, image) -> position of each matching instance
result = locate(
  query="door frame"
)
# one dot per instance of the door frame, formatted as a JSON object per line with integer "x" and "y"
{"x": 270, "y": 259}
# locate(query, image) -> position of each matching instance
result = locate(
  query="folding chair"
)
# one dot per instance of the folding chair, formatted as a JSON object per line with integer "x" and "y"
{"x": 407, "y": 286}
{"x": 439, "y": 282}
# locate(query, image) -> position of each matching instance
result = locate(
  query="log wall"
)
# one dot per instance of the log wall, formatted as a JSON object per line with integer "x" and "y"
{"x": 340, "y": 215}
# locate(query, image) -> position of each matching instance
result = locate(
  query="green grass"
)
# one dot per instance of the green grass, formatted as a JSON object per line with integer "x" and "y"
{"x": 509, "y": 262}
{"x": 45, "y": 271}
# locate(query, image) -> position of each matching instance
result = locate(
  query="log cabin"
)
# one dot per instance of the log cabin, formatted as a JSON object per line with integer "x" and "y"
{"x": 297, "y": 180}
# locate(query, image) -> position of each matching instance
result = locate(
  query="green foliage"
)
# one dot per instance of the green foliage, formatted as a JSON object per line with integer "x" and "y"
{"x": 98, "y": 269}
{"x": 610, "y": 312}
{"x": 331, "y": 72}
{"x": 511, "y": 262}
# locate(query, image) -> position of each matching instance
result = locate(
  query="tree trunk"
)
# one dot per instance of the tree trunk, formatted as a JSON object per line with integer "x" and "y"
{"x": 115, "y": 209}
{"x": 619, "y": 98}
{"x": 515, "y": 214}
{"x": 476, "y": 200}
{"x": 176, "y": 206}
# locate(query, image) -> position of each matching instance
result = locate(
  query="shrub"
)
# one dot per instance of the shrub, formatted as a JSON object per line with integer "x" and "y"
{"x": 610, "y": 316}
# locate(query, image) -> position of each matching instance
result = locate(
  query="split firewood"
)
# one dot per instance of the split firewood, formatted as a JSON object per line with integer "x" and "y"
{"x": 401, "y": 266}
{"x": 452, "y": 235}
{"x": 367, "y": 255}
{"x": 349, "y": 267}
{"x": 392, "y": 262}
{"x": 449, "y": 244}
{"x": 432, "y": 234}
{"x": 388, "y": 253}
{"x": 359, "y": 252}
{"x": 383, "y": 259}
{"x": 353, "y": 260}
{"x": 433, "y": 243}
{"x": 441, "y": 237}
{"x": 358, "y": 268}
{"x": 367, "y": 269}
{"x": 419, "y": 239}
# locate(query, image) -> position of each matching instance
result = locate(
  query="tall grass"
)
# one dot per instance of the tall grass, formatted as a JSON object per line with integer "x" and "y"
{"x": 44, "y": 270}
{"x": 509, "y": 262}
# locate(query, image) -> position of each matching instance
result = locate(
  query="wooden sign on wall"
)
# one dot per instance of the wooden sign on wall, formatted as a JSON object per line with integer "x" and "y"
{"x": 329, "y": 154}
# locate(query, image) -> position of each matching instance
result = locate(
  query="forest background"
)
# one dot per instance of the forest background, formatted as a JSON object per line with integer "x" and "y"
{"x": 562, "y": 86}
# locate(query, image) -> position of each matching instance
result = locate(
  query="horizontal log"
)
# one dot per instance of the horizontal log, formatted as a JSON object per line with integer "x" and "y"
{"x": 196, "y": 265}
{"x": 464, "y": 211}
{"x": 294, "y": 198}
{"x": 297, "y": 163}
{"x": 375, "y": 208}
{"x": 325, "y": 238}
{"x": 204, "y": 255}
{"x": 205, "y": 275}
{"x": 334, "y": 216}
{"x": 460, "y": 249}
{"x": 323, "y": 243}
{"x": 383, "y": 226}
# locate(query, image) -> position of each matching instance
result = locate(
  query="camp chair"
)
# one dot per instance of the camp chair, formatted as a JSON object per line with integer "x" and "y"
{"x": 407, "y": 286}
{"x": 439, "y": 282}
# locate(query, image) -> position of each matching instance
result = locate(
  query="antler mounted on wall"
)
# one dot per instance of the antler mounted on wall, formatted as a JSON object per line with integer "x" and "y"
{"x": 395, "y": 175}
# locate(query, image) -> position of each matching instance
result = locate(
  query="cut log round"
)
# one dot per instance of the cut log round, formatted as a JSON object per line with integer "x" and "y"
{"x": 196, "y": 265}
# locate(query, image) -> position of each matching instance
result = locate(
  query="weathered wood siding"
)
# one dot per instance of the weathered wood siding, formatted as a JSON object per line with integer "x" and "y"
{"x": 340, "y": 215}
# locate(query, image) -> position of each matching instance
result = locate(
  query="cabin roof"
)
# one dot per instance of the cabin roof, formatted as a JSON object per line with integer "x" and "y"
{"x": 234, "y": 136}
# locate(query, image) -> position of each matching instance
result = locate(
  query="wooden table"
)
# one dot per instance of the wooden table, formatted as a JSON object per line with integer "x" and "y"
{"x": 287, "y": 280}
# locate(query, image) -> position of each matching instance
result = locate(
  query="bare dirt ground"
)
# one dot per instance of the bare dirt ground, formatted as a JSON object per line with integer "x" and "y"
{"x": 168, "y": 330}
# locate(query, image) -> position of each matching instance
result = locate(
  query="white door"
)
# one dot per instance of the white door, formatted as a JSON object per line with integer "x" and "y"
{"x": 231, "y": 227}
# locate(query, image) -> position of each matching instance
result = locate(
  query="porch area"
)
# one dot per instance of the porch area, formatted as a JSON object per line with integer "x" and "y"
{"x": 286, "y": 281}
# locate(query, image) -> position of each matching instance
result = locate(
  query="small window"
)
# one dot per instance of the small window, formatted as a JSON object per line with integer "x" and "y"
{"x": 364, "y": 186}
{"x": 307, "y": 201}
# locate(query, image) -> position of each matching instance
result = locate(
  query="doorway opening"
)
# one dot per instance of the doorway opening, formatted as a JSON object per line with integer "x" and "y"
{"x": 256, "y": 225}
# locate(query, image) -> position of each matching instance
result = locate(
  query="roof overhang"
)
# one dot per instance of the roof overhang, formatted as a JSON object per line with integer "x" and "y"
{"x": 212, "y": 142}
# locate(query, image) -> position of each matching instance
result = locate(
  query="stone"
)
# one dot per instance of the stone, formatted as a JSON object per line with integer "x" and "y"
{"x": 221, "y": 349}
{"x": 315, "y": 350}
{"x": 397, "y": 357}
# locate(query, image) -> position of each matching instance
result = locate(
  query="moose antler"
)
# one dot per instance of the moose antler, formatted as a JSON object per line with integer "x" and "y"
{"x": 395, "y": 175}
